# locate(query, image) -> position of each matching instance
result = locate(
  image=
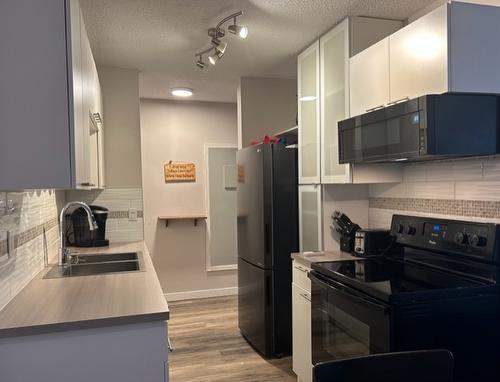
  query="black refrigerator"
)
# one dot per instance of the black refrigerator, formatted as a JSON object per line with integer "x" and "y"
{"x": 267, "y": 235}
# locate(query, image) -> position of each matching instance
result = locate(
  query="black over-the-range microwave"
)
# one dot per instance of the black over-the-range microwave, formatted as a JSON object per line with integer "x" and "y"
{"x": 429, "y": 127}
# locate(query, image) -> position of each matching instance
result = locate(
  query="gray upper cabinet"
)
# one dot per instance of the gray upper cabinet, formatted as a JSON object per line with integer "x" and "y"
{"x": 44, "y": 117}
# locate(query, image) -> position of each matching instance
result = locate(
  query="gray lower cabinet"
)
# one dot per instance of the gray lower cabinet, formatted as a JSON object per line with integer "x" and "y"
{"x": 45, "y": 110}
{"x": 122, "y": 353}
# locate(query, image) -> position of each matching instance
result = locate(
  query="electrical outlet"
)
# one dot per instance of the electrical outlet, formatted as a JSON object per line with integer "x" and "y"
{"x": 132, "y": 214}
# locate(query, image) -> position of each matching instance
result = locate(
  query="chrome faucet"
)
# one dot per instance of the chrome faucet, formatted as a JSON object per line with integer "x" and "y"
{"x": 64, "y": 254}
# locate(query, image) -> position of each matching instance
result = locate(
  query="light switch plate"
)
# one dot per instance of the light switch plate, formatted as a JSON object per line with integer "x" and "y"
{"x": 132, "y": 214}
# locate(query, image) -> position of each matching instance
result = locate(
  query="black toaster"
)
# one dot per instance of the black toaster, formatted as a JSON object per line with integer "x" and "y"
{"x": 372, "y": 242}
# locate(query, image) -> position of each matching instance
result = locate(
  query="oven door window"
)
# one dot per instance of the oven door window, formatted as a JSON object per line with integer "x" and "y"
{"x": 390, "y": 138}
{"x": 347, "y": 324}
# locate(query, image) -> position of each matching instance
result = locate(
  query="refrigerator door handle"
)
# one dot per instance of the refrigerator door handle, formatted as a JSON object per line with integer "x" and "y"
{"x": 267, "y": 238}
{"x": 268, "y": 290}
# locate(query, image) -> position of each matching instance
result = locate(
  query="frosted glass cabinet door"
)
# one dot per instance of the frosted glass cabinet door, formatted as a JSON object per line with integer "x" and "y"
{"x": 334, "y": 74}
{"x": 310, "y": 218}
{"x": 308, "y": 115}
{"x": 419, "y": 57}
{"x": 369, "y": 78}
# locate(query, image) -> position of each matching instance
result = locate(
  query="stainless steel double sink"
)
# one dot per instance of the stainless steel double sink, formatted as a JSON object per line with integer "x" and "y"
{"x": 96, "y": 264}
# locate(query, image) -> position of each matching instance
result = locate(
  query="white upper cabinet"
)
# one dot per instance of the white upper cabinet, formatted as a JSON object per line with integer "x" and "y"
{"x": 369, "y": 78}
{"x": 451, "y": 49}
{"x": 419, "y": 57}
{"x": 334, "y": 100}
{"x": 308, "y": 115}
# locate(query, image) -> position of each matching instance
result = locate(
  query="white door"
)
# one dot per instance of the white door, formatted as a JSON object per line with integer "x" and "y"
{"x": 369, "y": 78}
{"x": 334, "y": 75}
{"x": 310, "y": 218}
{"x": 308, "y": 115}
{"x": 301, "y": 333}
{"x": 419, "y": 57}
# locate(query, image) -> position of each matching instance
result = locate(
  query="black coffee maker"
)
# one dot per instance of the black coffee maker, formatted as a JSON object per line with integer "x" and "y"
{"x": 78, "y": 232}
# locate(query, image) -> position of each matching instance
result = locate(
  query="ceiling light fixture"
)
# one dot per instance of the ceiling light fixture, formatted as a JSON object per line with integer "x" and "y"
{"x": 218, "y": 47}
{"x": 182, "y": 92}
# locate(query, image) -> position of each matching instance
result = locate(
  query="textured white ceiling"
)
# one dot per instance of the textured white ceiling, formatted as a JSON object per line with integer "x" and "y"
{"x": 159, "y": 38}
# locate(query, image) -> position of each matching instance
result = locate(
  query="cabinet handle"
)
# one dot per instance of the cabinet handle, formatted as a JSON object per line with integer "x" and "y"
{"x": 398, "y": 101}
{"x": 375, "y": 108}
{"x": 306, "y": 296}
{"x": 86, "y": 184}
{"x": 301, "y": 269}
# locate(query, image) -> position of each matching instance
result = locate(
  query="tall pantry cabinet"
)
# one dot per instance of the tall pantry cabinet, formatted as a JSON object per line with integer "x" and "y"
{"x": 47, "y": 96}
{"x": 323, "y": 101}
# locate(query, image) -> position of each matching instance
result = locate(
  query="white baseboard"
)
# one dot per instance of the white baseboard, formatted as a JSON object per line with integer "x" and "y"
{"x": 204, "y": 293}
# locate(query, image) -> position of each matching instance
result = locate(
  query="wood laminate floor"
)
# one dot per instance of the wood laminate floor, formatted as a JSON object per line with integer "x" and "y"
{"x": 209, "y": 347}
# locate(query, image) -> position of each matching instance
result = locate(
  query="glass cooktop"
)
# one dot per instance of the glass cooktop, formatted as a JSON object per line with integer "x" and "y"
{"x": 385, "y": 278}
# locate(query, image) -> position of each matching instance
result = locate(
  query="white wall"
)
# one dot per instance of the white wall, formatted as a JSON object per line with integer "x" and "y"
{"x": 120, "y": 88}
{"x": 177, "y": 131}
{"x": 266, "y": 106}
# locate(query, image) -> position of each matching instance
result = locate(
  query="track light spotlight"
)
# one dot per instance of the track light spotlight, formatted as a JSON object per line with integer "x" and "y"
{"x": 200, "y": 64}
{"x": 239, "y": 30}
{"x": 220, "y": 46}
{"x": 215, "y": 57}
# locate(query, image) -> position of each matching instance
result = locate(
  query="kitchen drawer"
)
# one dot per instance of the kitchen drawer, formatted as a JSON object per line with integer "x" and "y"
{"x": 300, "y": 276}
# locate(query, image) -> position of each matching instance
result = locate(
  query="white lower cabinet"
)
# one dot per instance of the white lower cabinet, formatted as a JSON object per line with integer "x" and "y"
{"x": 301, "y": 327}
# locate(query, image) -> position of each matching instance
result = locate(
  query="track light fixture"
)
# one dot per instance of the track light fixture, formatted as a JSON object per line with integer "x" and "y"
{"x": 200, "y": 64}
{"x": 218, "y": 46}
{"x": 215, "y": 58}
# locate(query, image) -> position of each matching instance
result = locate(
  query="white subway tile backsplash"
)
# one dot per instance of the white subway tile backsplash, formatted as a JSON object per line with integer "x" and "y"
{"x": 118, "y": 200}
{"x": 415, "y": 173}
{"x": 491, "y": 168}
{"x": 489, "y": 191}
{"x": 387, "y": 190}
{"x": 33, "y": 210}
{"x": 471, "y": 169}
{"x": 430, "y": 190}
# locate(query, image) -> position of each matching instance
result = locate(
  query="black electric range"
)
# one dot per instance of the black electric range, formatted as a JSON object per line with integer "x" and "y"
{"x": 438, "y": 290}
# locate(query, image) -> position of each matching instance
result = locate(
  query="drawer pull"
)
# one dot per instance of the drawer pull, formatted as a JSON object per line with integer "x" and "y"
{"x": 306, "y": 296}
{"x": 301, "y": 269}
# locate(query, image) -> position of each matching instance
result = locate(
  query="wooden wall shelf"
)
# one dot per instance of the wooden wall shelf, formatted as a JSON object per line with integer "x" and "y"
{"x": 195, "y": 218}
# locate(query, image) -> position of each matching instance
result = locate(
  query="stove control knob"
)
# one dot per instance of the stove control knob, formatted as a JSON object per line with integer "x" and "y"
{"x": 409, "y": 230}
{"x": 460, "y": 238}
{"x": 477, "y": 241}
{"x": 400, "y": 228}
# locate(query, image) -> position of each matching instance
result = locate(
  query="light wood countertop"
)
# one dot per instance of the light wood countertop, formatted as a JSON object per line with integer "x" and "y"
{"x": 70, "y": 303}
{"x": 308, "y": 258}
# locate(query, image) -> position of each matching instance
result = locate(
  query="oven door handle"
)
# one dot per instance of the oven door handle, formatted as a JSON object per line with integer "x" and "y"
{"x": 345, "y": 292}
